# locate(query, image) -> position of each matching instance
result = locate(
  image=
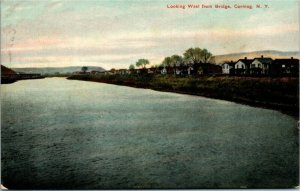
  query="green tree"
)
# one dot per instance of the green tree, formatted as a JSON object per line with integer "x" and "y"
{"x": 197, "y": 55}
{"x": 84, "y": 69}
{"x": 212, "y": 60}
{"x": 176, "y": 61}
{"x": 193, "y": 55}
{"x": 142, "y": 62}
{"x": 206, "y": 56}
{"x": 131, "y": 67}
{"x": 167, "y": 61}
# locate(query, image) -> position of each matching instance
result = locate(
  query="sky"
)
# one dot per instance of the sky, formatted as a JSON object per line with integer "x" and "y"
{"x": 116, "y": 33}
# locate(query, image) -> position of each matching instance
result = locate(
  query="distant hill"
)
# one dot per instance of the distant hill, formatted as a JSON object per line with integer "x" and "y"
{"x": 219, "y": 59}
{"x": 53, "y": 70}
{"x": 6, "y": 71}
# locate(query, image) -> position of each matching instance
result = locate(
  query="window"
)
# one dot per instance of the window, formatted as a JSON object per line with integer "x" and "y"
{"x": 283, "y": 65}
{"x": 259, "y": 65}
{"x": 242, "y": 66}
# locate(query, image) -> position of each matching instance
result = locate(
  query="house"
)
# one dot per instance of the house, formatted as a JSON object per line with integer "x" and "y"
{"x": 260, "y": 66}
{"x": 284, "y": 67}
{"x": 131, "y": 71}
{"x": 227, "y": 67}
{"x": 141, "y": 71}
{"x": 209, "y": 68}
{"x": 242, "y": 66}
{"x": 108, "y": 72}
{"x": 162, "y": 70}
{"x": 122, "y": 71}
{"x": 190, "y": 70}
{"x": 166, "y": 70}
{"x": 184, "y": 69}
{"x": 151, "y": 70}
{"x": 178, "y": 71}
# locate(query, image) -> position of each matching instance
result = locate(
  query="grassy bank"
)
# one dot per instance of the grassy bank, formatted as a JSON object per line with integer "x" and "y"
{"x": 274, "y": 93}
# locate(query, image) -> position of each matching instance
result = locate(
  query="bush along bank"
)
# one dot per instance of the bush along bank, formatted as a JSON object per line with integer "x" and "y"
{"x": 274, "y": 93}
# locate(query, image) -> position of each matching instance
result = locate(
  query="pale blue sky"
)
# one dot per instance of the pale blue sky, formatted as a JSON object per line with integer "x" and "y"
{"x": 117, "y": 33}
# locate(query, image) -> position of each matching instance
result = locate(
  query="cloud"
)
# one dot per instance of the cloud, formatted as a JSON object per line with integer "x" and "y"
{"x": 125, "y": 49}
{"x": 119, "y": 33}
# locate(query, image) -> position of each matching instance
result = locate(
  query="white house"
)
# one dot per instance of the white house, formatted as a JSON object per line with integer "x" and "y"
{"x": 226, "y": 67}
{"x": 163, "y": 71}
{"x": 261, "y": 65}
{"x": 242, "y": 66}
{"x": 190, "y": 70}
{"x": 178, "y": 71}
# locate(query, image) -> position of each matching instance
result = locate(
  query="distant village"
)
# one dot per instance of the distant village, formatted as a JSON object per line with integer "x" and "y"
{"x": 261, "y": 66}
{"x": 189, "y": 65}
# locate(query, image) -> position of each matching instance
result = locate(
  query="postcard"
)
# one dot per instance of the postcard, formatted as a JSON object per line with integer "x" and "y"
{"x": 164, "y": 94}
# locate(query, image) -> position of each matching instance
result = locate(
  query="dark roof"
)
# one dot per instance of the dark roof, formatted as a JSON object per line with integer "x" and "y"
{"x": 229, "y": 63}
{"x": 246, "y": 61}
{"x": 286, "y": 61}
{"x": 264, "y": 60}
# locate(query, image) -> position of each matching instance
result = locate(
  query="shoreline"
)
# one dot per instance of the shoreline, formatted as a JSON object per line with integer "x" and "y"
{"x": 289, "y": 109}
{"x": 13, "y": 80}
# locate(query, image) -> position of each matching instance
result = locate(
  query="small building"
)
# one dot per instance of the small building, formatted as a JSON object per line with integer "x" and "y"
{"x": 151, "y": 70}
{"x": 242, "y": 66}
{"x": 108, "y": 72}
{"x": 166, "y": 70}
{"x": 260, "y": 66}
{"x": 122, "y": 71}
{"x": 190, "y": 70}
{"x": 227, "y": 67}
{"x": 209, "y": 68}
{"x": 141, "y": 71}
{"x": 178, "y": 71}
{"x": 281, "y": 67}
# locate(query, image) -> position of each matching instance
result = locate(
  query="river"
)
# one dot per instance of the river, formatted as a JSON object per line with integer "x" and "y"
{"x": 67, "y": 134}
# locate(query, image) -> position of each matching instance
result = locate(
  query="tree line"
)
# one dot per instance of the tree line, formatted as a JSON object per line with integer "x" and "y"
{"x": 193, "y": 56}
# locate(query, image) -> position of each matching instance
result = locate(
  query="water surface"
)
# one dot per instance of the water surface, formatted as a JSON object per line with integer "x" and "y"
{"x": 63, "y": 134}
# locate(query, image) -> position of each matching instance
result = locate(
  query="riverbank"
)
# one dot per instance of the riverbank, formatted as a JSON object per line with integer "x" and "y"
{"x": 273, "y": 93}
{"x": 12, "y": 79}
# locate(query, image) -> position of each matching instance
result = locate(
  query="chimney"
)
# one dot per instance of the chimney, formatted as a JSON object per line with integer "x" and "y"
{"x": 262, "y": 56}
{"x": 292, "y": 58}
{"x": 245, "y": 58}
